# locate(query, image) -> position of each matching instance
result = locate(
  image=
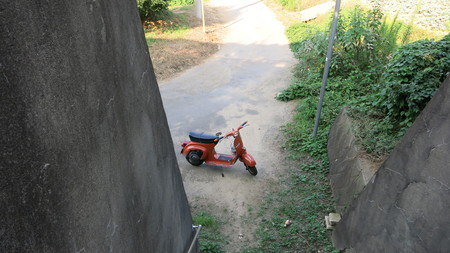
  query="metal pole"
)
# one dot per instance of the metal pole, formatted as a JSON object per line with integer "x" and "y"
{"x": 198, "y": 228}
{"x": 327, "y": 66}
{"x": 203, "y": 17}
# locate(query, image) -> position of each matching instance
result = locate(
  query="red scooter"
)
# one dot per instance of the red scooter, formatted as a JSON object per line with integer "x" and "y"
{"x": 201, "y": 149}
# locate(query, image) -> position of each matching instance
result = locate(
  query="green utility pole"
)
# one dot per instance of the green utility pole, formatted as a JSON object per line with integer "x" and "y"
{"x": 327, "y": 66}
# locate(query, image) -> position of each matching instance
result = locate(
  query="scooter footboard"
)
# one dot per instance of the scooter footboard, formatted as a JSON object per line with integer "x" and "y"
{"x": 248, "y": 160}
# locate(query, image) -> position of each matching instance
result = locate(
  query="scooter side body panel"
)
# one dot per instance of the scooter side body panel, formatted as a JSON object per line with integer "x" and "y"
{"x": 248, "y": 159}
{"x": 205, "y": 148}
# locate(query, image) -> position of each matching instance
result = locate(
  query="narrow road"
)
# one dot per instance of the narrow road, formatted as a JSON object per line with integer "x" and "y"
{"x": 238, "y": 83}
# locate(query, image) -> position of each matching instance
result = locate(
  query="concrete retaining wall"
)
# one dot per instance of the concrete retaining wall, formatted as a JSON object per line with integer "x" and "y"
{"x": 404, "y": 207}
{"x": 350, "y": 168}
{"x": 86, "y": 157}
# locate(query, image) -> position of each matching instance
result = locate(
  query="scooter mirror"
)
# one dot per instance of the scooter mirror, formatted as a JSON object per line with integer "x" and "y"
{"x": 218, "y": 133}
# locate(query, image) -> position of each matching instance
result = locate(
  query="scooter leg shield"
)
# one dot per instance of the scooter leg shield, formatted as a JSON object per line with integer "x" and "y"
{"x": 248, "y": 159}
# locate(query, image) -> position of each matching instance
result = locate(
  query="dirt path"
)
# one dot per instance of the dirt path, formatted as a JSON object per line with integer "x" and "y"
{"x": 171, "y": 56}
{"x": 238, "y": 83}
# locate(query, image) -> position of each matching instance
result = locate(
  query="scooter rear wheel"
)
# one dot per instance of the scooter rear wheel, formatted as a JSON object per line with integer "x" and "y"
{"x": 252, "y": 170}
{"x": 194, "y": 157}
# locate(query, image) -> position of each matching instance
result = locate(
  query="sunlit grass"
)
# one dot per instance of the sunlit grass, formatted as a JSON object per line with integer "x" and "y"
{"x": 174, "y": 28}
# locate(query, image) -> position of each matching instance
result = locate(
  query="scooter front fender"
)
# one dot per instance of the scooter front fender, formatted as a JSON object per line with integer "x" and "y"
{"x": 248, "y": 160}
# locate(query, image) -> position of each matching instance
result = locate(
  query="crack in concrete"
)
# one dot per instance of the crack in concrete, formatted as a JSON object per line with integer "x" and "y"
{"x": 377, "y": 205}
{"x": 440, "y": 182}
{"x": 429, "y": 131}
{"x": 110, "y": 100}
{"x": 403, "y": 212}
{"x": 142, "y": 77}
{"x": 394, "y": 171}
{"x": 6, "y": 78}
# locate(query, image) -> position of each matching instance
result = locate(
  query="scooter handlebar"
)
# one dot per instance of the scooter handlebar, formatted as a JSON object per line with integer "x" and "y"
{"x": 233, "y": 132}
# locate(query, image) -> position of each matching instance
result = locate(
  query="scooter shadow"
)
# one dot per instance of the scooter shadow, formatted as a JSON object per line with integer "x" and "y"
{"x": 222, "y": 171}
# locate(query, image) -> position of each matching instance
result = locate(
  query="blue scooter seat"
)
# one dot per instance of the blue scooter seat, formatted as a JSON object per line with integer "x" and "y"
{"x": 203, "y": 138}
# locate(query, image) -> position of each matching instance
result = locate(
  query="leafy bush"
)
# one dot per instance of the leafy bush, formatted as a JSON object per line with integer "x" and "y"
{"x": 300, "y": 32}
{"x": 308, "y": 43}
{"x": 365, "y": 43}
{"x": 412, "y": 78}
{"x": 311, "y": 54}
{"x": 299, "y": 90}
{"x": 152, "y": 10}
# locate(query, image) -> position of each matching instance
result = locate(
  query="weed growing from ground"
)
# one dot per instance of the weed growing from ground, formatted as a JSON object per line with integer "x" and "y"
{"x": 210, "y": 238}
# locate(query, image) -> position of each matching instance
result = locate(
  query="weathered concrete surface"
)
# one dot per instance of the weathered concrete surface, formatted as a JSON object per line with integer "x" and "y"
{"x": 405, "y": 206}
{"x": 350, "y": 168}
{"x": 86, "y": 158}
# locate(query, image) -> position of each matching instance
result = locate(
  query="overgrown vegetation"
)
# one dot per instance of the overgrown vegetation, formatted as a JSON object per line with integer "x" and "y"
{"x": 411, "y": 79}
{"x": 385, "y": 88}
{"x": 158, "y": 10}
{"x": 384, "y": 81}
{"x": 160, "y": 21}
{"x": 152, "y": 10}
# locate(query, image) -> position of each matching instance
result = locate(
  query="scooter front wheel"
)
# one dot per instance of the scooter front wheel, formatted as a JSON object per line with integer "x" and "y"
{"x": 194, "y": 157}
{"x": 252, "y": 170}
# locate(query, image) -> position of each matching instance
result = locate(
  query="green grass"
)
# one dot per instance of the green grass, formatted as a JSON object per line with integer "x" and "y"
{"x": 303, "y": 196}
{"x": 187, "y": 7}
{"x": 298, "y": 5}
{"x": 210, "y": 238}
{"x": 178, "y": 29}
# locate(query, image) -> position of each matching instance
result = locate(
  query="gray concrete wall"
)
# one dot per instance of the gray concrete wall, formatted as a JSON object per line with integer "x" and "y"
{"x": 350, "y": 167}
{"x": 86, "y": 158}
{"x": 404, "y": 208}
